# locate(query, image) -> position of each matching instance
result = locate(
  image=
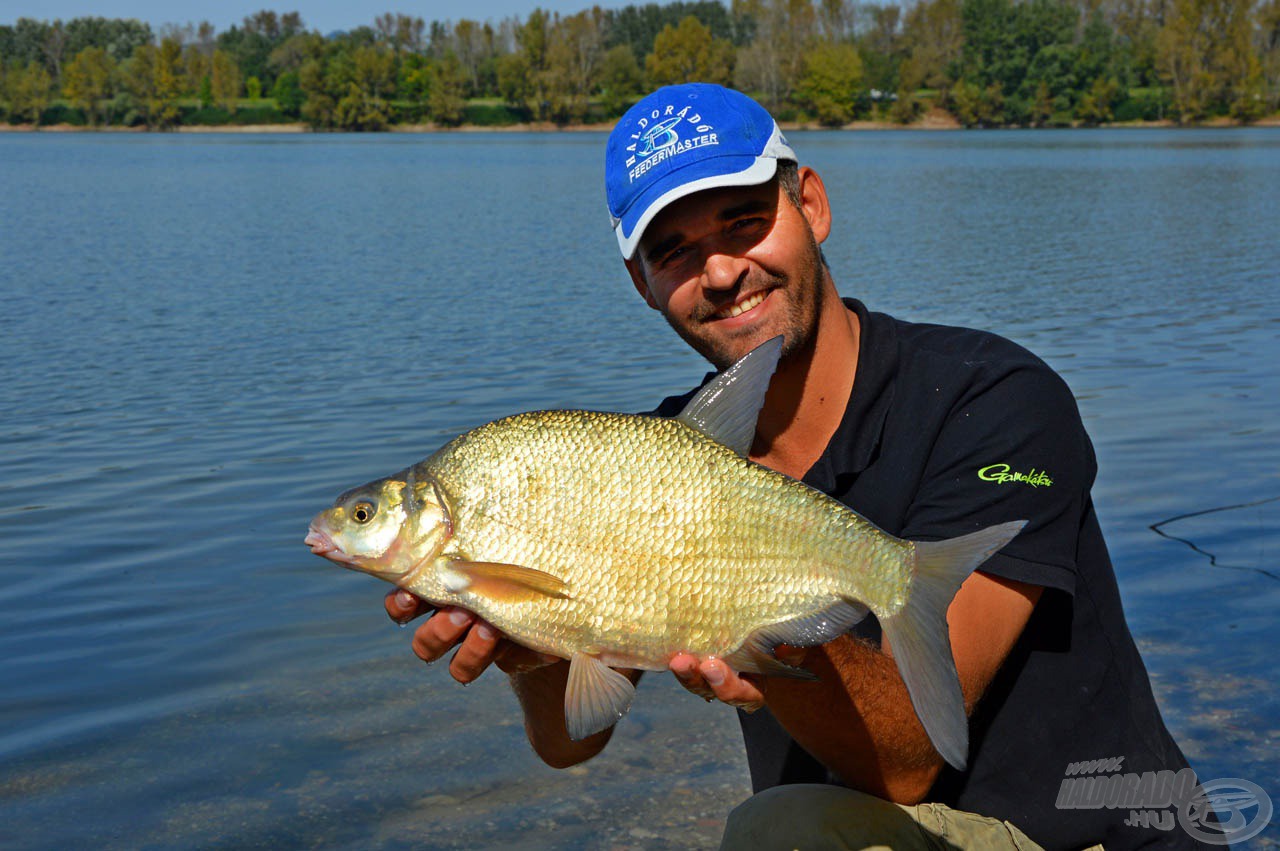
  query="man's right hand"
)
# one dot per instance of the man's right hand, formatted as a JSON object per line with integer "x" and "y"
{"x": 479, "y": 644}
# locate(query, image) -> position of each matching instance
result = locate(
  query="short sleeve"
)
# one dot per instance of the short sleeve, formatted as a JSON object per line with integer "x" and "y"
{"x": 1013, "y": 447}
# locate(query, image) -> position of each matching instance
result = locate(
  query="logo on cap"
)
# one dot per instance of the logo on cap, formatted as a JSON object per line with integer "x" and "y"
{"x": 657, "y": 138}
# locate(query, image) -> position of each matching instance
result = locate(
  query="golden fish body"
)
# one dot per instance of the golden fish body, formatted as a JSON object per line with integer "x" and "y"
{"x": 667, "y": 540}
{"x": 617, "y": 539}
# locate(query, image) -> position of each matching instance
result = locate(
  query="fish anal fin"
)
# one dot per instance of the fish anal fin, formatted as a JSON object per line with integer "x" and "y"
{"x": 595, "y": 697}
{"x": 752, "y": 658}
{"x": 505, "y": 582}
{"x": 755, "y": 656}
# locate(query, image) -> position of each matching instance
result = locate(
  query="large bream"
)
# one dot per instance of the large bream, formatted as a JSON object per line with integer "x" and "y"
{"x": 619, "y": 540}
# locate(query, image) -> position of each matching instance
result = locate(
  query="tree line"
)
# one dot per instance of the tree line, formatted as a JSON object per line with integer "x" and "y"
{"x": 987, "y": 62}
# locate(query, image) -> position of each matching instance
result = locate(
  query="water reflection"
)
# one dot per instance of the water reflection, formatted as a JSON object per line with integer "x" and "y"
{"x": 208, "y": 337}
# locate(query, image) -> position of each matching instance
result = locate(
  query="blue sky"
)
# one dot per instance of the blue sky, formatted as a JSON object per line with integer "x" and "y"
{"x": 323, "y": 15}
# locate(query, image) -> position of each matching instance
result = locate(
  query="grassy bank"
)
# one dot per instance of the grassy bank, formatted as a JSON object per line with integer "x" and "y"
{"x": 1142, "y": 109}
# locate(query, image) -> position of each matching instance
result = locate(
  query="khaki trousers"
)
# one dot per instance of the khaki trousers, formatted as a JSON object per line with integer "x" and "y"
{"x": 815, "y": 817}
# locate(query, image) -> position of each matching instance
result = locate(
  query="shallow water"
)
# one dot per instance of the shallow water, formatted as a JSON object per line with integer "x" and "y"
{"x": 207, "y": 337}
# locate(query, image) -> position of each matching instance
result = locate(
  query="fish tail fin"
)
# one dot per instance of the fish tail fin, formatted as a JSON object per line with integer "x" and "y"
{"x": 920, "y": 642}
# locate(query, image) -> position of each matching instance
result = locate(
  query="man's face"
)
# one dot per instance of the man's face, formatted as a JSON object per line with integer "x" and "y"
{"x": 731, "y": 268}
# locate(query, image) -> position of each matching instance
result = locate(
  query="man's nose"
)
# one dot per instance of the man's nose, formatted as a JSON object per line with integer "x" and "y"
{"x": 724, "y": 271}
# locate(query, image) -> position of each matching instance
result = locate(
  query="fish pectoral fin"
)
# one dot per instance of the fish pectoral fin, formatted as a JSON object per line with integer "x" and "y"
{"x": 595, "y": 697}
{"x": 755, "y": 656}
{"x": 726, "y": 409}
{"x": 507, "y": 582}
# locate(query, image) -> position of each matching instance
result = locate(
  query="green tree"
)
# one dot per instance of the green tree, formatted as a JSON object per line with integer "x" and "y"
{"x": 319, "y": 105}
{"x": 880, "y": 47}
{"x": 975, "y": 106}
{"x": 30, "y": 89}
{"x": 932, "y": 41}
{"x": 252, "y": 43}
{"x": 830, "y": 82}
{"x": 196, "y": 64}
{"x": 620, "y": 79}
{"x": 169, "y": 81}
{"x": 1097, "y": 106}
{"x": 781, "y": 29}
{"x": 153, "y": 79}
{"x": 637, "y": 26}
{"x": 687, "y": 53}
{"x": 1268, "y": 49}
{"x": 224, "y": 80}
{"x": 118, "y": 37}
{"x": 513, "y": 79}
{"x": 1206, "y": 55}
{"x": 288, "y": 94}
{"x": 87, "y": 81}
{"x": 445, "y": 103}
{"x": 574, "y": 53}
{"x": 366, "y": 85}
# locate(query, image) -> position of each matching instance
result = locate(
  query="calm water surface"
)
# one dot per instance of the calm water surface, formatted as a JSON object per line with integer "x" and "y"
{"x": 205, "y": 338}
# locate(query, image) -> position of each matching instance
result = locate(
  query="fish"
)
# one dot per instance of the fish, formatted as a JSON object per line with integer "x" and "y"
{"x": 616, "y": 540}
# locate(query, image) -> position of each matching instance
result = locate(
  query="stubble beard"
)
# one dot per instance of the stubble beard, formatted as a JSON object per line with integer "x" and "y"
{"x": 798, "y": 322}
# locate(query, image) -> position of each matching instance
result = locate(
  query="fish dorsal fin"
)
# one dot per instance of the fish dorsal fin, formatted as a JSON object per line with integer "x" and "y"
{"x": 726, "y": 409}
{"x": 507, "y": 582}
{"x": 595, "y": 697}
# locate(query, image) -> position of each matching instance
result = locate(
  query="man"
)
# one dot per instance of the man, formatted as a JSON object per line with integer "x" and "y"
{"x": 928, "y": 431}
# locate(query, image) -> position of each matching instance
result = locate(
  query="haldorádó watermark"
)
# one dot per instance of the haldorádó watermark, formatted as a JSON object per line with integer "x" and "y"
{"x": 1218, "y": 812}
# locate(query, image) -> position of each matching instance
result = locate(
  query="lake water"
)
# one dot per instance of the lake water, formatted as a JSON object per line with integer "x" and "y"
{"x": 205, "y": 338}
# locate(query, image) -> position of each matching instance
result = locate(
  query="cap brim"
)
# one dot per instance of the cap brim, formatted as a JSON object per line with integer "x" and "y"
{"x": 676, "y": 185}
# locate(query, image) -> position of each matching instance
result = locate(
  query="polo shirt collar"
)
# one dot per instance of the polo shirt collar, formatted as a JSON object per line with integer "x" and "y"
{"x": 856, "y": 441}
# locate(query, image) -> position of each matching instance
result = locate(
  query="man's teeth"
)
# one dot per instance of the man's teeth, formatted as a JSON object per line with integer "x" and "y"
{"x": 742, "y": 306}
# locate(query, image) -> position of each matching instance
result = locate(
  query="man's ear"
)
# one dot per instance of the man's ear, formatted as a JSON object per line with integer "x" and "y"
{"x": 814, "y": 203}
{"x": 637, "y": 279}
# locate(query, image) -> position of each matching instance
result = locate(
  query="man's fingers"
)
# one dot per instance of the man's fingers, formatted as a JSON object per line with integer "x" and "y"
{"x": 440, "y": 632}
{"x": 403, "y": 607}
{"x": 475, "y": 653}
{"x": 730, "y": 687}
{"x": 685, "y": 668}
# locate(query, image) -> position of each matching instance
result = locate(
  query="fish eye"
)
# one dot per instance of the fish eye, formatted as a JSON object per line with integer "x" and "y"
{"x": 363, "y": 511}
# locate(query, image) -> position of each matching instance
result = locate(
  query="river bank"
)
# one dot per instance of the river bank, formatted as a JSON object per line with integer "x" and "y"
{"x": 934, "y": 119}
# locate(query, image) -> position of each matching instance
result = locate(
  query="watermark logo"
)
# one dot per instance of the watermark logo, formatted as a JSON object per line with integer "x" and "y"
{"x": 1226, "y": 810}
{"x": 1004, "y": 473}
{"x": 1218, "y": 812}
{"x": 665, "y": 133}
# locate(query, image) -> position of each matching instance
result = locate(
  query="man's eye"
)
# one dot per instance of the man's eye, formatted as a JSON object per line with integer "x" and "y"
{"x": 674, "y": 254}
{"x": 748, "y": 224}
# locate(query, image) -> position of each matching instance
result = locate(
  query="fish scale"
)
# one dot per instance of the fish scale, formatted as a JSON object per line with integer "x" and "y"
{"x": 746, "y": 527}
{"x": 621, "y": 539}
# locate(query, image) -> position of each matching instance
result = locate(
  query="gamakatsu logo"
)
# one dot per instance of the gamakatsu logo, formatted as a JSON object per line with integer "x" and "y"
{"x": 1004, "y": 473}
{"x": 663, "y": 134}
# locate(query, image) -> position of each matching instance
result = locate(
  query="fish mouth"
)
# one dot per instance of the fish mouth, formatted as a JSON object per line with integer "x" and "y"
{"x": 322, "y": 545}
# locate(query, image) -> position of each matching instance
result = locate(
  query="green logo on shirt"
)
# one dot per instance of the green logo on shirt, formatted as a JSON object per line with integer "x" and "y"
{"x": 1004, "y": 473}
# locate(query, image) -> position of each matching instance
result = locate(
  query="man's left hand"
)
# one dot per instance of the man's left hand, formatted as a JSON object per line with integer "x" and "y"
{"x": 712, "y": 679}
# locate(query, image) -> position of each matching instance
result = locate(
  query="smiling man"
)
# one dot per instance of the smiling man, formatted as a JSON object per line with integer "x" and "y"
{"x": 721, "y": 229}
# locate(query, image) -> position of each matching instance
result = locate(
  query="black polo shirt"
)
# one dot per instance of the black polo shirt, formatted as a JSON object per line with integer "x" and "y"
{"x": 947, "y": 431}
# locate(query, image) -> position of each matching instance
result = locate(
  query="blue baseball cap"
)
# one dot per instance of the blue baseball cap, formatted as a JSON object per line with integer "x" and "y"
{"x": 680, "y": 140}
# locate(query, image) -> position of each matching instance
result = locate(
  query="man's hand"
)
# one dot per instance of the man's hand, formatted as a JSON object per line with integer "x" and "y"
{"x": 713, "y": 679}
{"x": 538, "y": 679}
{"x": 479, "y": 644}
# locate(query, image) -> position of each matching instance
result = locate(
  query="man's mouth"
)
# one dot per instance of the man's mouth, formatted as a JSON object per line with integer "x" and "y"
{"x": 729, "y": 311}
